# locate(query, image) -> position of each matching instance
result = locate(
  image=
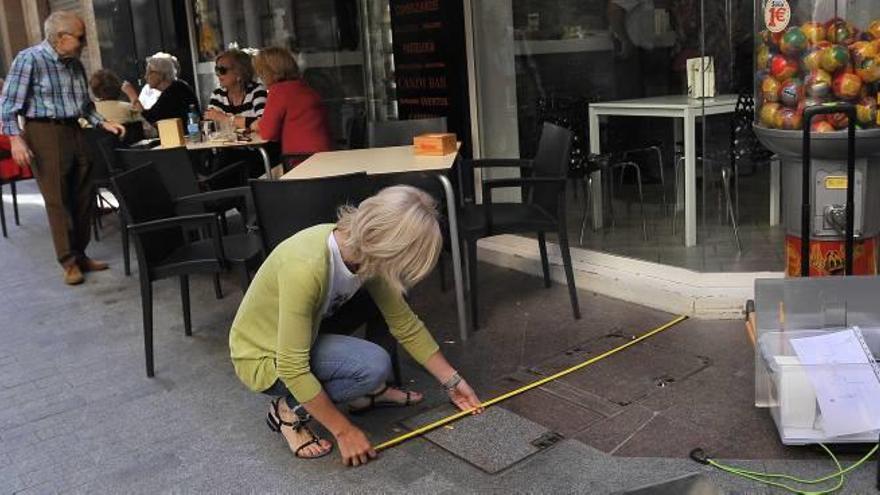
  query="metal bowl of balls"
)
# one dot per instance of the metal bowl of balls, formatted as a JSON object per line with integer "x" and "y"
{"x": 817, "y": 52}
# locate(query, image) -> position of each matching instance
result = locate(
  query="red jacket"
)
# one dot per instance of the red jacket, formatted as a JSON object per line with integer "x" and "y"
{"x": 10, "y": 170}
{"x": 295, "y": 116}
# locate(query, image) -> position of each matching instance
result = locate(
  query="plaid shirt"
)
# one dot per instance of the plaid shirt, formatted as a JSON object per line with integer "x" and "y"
{"x": 40, "y": 84}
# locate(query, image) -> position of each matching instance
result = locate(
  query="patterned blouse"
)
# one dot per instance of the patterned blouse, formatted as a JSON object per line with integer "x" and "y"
{"x": 251, "y": 108}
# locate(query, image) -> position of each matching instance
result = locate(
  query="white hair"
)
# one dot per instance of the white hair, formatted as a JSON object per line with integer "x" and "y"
{"x": 60, "y": 21}
{"x": 165, "y": 64}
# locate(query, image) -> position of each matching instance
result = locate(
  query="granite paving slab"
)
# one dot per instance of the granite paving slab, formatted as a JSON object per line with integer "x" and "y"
{"x": 492, "y": 441}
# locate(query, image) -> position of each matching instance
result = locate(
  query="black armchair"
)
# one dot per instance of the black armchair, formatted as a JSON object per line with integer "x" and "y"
{"x": 542, "y": 210}
{"x": 401, "y": 132}
{"x": 162, "y": 243}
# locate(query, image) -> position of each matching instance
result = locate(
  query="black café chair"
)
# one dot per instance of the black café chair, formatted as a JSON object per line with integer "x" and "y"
{"x": 401, "y": 132}
{"x": 162, "y": 243}
{"x": 284, "y": 207}
{"x": 543, "y": 208}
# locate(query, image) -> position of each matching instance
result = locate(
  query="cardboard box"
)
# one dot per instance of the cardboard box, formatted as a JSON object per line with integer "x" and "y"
{"x": 435, "y": 144}
{"x": 171, "y": 133}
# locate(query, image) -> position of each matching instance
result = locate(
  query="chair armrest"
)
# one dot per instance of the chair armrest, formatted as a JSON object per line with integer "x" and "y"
{"x": 243, "y": 192}
{"x": 191, "y": 221}
{"x": 501, "y": 163}
{"x": 227, "y": 170}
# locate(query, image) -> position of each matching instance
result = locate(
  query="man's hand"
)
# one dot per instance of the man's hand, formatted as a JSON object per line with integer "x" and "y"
{"x": 354, "y": 447}
{"x": 21, "y": 153}
{"x": 113, "y": 128}
{"x": 464, "y": 397}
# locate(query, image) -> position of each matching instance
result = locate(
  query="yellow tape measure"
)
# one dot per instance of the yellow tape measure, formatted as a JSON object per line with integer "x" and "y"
{"x": 449, "y": 419}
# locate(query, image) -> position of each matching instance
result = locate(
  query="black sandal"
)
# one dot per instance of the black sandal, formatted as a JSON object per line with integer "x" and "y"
{"x": 303, "y": 417}
{"x": 374, "y": 404}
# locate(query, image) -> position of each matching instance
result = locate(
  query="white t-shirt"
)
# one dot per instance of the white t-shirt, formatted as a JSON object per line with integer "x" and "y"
{"x": 343, "y": 283}
{"x": 148, "y": 96}
{"x": 639, "y": 21}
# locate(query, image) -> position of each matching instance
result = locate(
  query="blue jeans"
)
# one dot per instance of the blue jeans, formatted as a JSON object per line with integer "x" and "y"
{"x": 347, "y": 367}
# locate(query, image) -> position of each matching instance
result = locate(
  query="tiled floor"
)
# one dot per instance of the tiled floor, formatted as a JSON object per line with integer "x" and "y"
{"x": 78, "y": 415}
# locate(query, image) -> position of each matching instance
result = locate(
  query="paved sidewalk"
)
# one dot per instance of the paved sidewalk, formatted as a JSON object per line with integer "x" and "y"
{"x": 78, "y": 415}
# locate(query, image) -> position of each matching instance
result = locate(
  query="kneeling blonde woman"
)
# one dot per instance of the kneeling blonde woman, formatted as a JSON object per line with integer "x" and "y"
{"x": 288, "y": 339}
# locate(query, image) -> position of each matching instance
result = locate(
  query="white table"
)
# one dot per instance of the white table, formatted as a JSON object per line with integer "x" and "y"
{"x": 390, "y": 160}
{"x": 673, "y": 106}
{"x": 253, "y": 144}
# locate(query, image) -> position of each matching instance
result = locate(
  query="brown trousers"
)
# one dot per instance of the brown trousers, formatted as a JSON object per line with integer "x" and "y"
{"x": 63, "y": 173}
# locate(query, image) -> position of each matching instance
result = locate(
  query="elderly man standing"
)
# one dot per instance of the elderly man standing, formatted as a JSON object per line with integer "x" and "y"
{"x": 47, "y": 86}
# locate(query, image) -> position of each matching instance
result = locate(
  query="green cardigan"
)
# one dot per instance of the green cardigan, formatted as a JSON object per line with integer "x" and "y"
{"x": 278, "y": 319}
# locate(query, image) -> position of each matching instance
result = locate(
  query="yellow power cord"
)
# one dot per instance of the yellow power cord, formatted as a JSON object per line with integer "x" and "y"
{"x": 449, "y": 419}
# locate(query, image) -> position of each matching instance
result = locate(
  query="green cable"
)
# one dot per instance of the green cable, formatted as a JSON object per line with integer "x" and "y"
{"x": 698, "y": 456}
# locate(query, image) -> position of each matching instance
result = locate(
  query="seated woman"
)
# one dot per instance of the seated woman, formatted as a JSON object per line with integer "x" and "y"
{"x": 294, "y": 113}
{"x": 239, "y": 97}
{"x": 176, "y": 97}
{"x": 107, "y": 89}
{"x": 287, "y": 338}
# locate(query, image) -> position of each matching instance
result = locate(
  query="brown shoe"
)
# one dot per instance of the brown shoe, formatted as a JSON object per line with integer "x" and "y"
{"x": 72, "y": 274}
{"x": 90, "y": 265}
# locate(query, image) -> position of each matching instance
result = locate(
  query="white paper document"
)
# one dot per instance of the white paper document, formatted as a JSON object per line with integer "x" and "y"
{"x": 845, "y": 378}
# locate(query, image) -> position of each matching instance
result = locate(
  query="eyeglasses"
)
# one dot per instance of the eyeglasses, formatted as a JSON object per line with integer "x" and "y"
{"x": 81, "y": 38}
{"x": 220, "y": 70}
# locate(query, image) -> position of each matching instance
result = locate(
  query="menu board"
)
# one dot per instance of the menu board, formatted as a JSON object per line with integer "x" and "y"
{"x": 430, "y": 62}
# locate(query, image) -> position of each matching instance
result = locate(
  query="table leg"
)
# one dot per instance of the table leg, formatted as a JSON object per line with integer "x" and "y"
{"x": 775, "y": 198}
{"x": 690, "y": 180}
{"x": 596, "y": 199}
{"x": 456, "y": 255}
{"x": 267, "y": 163}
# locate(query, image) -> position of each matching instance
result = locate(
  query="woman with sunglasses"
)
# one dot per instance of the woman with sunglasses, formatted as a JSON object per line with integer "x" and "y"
{"x": 176, "y": 97}
{"x": 239, "y": 97}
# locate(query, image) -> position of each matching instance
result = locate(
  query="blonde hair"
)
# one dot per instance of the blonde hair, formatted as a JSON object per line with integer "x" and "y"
{"x": 393, "y": 235}
{"x": 241, "y": 62}
{"x": 275, "y": 64}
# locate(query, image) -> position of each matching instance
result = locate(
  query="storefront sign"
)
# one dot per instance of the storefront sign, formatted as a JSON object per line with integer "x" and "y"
{"x": 430, "y": 61}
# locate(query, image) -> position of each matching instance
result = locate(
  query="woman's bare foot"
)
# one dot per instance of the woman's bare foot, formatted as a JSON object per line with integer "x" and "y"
{"x": 390, "y": 396}
{"x": 296, "y": 439}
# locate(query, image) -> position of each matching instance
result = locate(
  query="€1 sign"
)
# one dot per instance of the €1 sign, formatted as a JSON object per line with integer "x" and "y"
{"x": 777, "y": 14}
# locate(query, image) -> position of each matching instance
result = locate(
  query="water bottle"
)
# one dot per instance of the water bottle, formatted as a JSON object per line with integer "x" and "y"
{"x": 192, "y": 125}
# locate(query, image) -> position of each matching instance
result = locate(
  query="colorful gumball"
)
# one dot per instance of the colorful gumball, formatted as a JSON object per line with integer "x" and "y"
{"x": 847, "y": 86}
{"x": 768, "y": 114}
{"x": 812, "y": 59}
{"x": 793, "y": 42}
{"x": 818, "y": 84}
{"x": 869, "y": 70}
{"x": 791, "y": 93}
{"x": 782, "y": 67}
{"x": 821, "y": 126}
{"x": 866, "y": 111}
{"x": 814, "y": 31}
{"x": 770, "y": 89}
{"x": 789, "y": 119}
{"x": 862, "y": 50}
{"x": 874, "y": 29}
{"x": 840, "y": 31}
{"x": 838, "y": 120}
{"x": 833, "y": 58}
{"x": 762, "y": 57}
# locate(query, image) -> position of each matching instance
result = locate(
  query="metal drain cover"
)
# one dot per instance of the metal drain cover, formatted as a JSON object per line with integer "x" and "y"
{"x": 492, "y": 441}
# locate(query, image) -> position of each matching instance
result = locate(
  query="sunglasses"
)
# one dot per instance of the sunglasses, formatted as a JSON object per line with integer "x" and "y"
{"x": 221, "y": 71}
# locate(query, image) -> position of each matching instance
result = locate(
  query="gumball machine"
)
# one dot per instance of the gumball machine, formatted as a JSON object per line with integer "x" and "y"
{"x": 822, "y": 54}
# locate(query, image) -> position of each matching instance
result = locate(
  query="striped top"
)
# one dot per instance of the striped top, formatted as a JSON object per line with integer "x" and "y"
{"x": 41, "y": 84}
{"x": 251, "y": 108}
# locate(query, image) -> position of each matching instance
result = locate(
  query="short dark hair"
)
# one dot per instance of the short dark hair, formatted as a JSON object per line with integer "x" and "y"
{"x": 106, "y": 85}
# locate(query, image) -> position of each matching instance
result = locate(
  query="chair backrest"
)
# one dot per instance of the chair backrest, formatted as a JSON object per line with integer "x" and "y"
{"x": 401, "y": 132}
{"x": 551, "y": 160}
{"x": 172, "y": 164}
{"x": 284, "y": 207}
{"x": 144, "y": 197}
{"x": 101, "y": 155}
